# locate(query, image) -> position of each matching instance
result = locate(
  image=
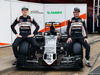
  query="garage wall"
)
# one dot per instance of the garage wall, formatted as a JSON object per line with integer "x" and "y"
{"x": 62, "y": 13}
{"x": 40, "y": 12}
{"x": 70, "y": 8}
{"x": 5, "y": 21}
{"x": 9, "y": 12}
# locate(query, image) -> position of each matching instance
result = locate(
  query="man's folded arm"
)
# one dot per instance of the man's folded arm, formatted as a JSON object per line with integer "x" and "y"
{"x": 13, "y": 26}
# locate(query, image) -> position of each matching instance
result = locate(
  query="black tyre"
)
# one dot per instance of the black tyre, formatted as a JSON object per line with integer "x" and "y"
{"x": 77, "y": 49}
{"x": 23, "y": 48}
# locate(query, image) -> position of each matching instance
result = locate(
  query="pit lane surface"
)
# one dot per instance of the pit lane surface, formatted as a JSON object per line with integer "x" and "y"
{"x": 6, "y": 60}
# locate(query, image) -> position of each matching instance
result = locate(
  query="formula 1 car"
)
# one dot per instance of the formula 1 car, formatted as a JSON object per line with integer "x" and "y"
{"x": 51, "y": 50}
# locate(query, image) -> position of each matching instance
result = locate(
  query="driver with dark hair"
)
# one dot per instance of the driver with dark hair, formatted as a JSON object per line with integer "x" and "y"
{"x": 25, "y": 23}
{"x": 76, "y": 30}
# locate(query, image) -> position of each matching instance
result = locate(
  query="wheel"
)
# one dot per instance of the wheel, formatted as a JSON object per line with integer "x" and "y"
{"x": 23, "y": 48}
{"x": 77, "y": 49}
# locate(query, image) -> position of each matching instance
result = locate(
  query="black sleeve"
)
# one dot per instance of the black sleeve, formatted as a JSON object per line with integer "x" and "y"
{"x": 98, "y": 17}
{"x": 13, "y": 26}
{"x": 68, "y": 28}
{"x": 36, "y": 25}
{"x": 85, "y": 29}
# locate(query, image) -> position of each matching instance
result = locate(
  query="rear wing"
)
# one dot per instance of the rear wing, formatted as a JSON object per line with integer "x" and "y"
{"x": 55, "y": 24}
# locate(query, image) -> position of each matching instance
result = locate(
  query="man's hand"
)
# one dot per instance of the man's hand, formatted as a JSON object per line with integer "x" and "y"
{"x": 30, "y": 35}
{"x": 18, "y": 35}
{"x": 69, "y": 40}
{"x": 86, "y": 40}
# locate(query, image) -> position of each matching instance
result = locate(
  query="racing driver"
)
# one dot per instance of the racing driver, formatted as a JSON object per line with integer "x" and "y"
{"x": 24, "y": 23}
{"x": 76, "y": 30}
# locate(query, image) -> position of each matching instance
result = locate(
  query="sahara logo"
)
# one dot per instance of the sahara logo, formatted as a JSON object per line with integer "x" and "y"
{"x": 54, "y": 12}
{"x": 36, "y": 12}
